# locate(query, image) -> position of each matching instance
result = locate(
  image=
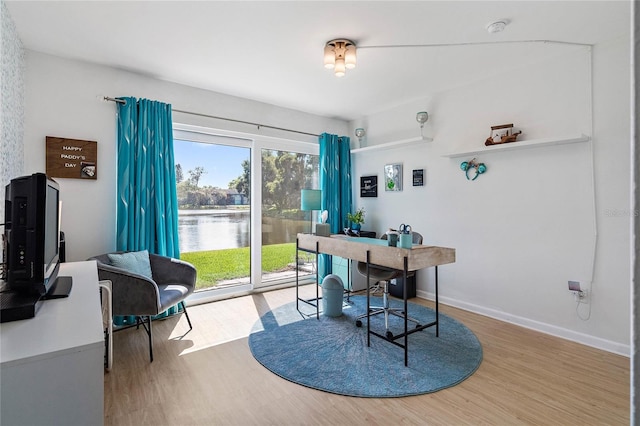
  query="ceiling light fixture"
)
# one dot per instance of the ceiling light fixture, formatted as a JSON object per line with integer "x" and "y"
{"x": 340, "y": 54}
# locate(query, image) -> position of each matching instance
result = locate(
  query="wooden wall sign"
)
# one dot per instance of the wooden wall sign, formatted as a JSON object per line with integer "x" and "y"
{"x": 71, "y": 158}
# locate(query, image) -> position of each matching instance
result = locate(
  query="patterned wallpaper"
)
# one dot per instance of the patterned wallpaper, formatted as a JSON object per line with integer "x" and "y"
{"x": 12, "y": 92}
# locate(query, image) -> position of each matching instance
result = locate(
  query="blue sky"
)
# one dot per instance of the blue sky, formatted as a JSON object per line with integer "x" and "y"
{"x": 222, "y": 163}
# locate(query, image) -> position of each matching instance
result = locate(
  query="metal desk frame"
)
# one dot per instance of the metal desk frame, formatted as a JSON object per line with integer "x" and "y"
{"x": 418, "y": 257}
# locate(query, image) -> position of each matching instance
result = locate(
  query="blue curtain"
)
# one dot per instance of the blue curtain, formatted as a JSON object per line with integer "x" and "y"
{"x": 147, "y": 207}
{"x": 147, "y": 204}
{"x": 335, "y": 183}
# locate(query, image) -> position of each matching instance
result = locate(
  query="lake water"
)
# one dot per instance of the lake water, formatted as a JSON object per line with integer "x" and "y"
{"x": 200, "y": 230}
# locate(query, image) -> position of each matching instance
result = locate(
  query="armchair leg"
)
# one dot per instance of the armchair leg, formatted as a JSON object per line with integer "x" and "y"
{"x": 184, "y": 309}
{"x": 150, "y": 339}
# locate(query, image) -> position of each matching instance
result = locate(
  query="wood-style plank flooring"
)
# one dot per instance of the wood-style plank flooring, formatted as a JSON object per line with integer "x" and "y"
{"x": 209, "y": 377}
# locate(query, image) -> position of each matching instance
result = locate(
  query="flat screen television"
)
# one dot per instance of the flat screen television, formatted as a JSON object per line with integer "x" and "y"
{"x": 32, "y": 236}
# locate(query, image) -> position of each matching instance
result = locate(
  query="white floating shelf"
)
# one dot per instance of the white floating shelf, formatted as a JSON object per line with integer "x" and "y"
{"x": 533, "y": 143}
{"x": 391, "y": 145}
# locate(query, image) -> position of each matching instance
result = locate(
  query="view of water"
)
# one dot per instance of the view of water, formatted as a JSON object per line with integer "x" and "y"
{"x": 200, "y": 230}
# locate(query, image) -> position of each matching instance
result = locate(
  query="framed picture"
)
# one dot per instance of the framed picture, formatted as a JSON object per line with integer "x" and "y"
{"x": 393, "y": 177}
{"x": 418, "y": 177}
{"x": 369, "y": 186}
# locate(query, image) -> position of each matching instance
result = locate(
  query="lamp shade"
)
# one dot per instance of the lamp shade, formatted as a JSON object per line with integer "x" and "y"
{"x": 310, "y": 199}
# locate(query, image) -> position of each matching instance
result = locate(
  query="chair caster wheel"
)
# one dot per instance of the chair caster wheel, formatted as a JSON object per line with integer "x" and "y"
{"x": 389, "y": 335}
{"x": 358, "y": 323}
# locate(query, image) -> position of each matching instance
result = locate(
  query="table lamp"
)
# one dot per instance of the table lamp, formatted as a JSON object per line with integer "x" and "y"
{"x": 310, "y": 199}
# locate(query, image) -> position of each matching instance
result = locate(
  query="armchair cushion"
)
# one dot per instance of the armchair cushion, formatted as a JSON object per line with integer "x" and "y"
{"x": 133, "y": 261}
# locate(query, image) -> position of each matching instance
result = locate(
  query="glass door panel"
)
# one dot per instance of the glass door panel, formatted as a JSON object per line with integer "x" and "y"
{"x": 214, "y": 214}
{"x": 284, "y": 175}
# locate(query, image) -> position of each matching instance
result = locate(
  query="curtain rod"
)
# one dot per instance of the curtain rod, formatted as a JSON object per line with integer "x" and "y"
{"x": 258, "y": 125}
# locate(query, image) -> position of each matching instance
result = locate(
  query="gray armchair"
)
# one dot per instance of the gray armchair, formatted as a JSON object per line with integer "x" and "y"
{"x": 137, "y": 295}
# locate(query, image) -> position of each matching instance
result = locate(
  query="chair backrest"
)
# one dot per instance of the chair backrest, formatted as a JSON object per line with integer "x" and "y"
{"x": 417, "y": 238}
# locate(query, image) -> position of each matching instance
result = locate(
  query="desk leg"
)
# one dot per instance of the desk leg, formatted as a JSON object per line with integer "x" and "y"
{"x": 406, "y": 313}
{"x": 297, "y": 276}
{"x": 317, "y": 283}
{"x": 308, "y": 301}
{"x": 368, "y": 303}
{"x": 437, "y": 315}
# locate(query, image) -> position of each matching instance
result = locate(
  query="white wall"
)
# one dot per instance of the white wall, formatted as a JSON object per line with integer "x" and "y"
{"x": 11, "y": 102}
{"x": 62, "y": 100}
{"x": 526, "y": 226}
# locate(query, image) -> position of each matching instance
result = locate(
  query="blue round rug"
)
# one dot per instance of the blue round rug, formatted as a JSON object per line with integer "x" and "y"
{"x": 331, "y": 354}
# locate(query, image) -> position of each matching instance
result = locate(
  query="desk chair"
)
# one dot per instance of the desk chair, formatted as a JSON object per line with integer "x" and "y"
{"x": 381, "y": 274}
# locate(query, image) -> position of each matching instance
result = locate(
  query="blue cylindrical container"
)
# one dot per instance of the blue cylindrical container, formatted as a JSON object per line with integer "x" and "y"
{"x": 332, "y": 292}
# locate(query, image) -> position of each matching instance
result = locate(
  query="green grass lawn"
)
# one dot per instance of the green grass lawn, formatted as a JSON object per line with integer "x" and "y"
{"x": 217, "y": 265}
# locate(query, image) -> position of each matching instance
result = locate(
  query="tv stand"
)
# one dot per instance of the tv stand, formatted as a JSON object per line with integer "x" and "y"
{"x": 52, "y": 365}
{"x": 61, "y": 288}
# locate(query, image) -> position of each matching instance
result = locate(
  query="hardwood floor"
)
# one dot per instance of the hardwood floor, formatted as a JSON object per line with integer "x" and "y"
{"x": 209, "y": 377}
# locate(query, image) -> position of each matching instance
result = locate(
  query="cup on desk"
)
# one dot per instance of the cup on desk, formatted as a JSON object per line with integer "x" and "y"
{"x": 392, "y": 238}
{"x": 406, "y": 240}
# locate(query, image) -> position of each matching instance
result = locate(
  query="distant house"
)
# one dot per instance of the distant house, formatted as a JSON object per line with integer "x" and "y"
{"x": 234, "y": 198}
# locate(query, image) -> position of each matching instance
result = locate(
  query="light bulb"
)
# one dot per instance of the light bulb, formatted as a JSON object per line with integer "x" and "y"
{"x": 350, "y": 56}
{"x": 329, "y": 57}
{"x": 339, "y": 70}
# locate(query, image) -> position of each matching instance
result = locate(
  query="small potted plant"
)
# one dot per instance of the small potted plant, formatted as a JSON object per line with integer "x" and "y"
{"x": 356, "y": 219}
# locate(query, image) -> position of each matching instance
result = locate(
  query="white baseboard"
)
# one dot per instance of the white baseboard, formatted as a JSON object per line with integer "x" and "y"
{"x": 574, "y": 336}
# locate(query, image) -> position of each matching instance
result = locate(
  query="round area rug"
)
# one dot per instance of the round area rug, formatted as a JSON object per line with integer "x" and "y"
{"x": 331, "y": 353}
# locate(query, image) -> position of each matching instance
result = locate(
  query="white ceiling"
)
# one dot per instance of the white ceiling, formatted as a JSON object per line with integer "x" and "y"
{"x": 272, "y": 51}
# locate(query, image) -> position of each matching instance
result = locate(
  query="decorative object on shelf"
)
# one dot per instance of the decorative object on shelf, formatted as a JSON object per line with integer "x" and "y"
{"x": 340, "y": 54}
{"x": 480, "y": 168}
{"x": 369, "y": 186}
{"x": 393, "y": 177}
{"x": 501, "y": 134}
{"x": 422, "y": 117}
{"x": 418, "y": 177}
{"x": 310, "y": 200}
{"x": 322, "y": 228}
{"x": 356, "y": 219}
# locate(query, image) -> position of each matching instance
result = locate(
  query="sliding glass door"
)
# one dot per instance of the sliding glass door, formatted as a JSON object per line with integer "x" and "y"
{"x": 239, "y": 207}
{"x": 214, "y": 218}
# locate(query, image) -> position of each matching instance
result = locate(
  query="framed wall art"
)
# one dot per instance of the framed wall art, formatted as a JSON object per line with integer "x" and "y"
{"x": 369, "y": 186}
{"x": 393, "y": 177}
{"x": 418, "y": 177}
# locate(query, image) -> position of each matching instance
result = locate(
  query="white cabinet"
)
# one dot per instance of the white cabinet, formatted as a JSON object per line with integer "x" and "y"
{"x": 52, "y": 365}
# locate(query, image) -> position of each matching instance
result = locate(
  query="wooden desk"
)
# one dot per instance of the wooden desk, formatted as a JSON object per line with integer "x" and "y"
{"x": 52, "y": 365}
{"x": 375, "y": 252}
